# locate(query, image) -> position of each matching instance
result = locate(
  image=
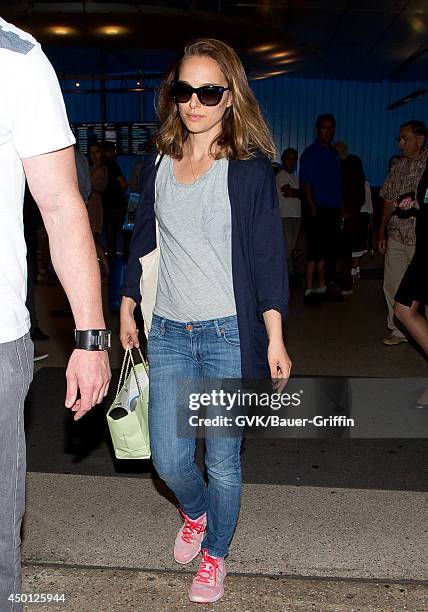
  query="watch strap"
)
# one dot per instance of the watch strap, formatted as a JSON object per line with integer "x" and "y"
{"x": 93, "y": 339}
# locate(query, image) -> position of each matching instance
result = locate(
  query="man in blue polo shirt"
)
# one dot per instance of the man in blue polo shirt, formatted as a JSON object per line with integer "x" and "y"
{"x": 321, "y": 182}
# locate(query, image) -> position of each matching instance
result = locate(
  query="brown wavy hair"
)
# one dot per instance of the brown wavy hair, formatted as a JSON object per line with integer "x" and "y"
{"x": 244, "y": 131}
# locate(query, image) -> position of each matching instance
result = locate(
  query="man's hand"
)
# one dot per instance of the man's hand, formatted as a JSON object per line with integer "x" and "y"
{"x": 406, "y": 204}
{"x": 287, "y": 191}
{"x": 279, "y": 364}
{"x": 90, "y": 372}
{"x": 382, "y": 243}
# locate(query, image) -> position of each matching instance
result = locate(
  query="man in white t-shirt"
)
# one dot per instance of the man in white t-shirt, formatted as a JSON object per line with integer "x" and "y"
{"x": 289, "y": 201}
{"x": 36, "y": 143}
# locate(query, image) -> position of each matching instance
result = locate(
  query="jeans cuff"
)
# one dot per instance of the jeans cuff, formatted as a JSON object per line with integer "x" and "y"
{"x": 214, "y": 552}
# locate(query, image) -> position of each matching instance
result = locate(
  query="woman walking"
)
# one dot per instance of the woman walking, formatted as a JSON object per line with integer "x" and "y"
{"x": 221, "y": 293}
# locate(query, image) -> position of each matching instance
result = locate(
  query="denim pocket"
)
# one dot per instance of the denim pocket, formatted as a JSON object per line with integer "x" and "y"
{"x": 155, "y": 330}
{"x": 230, "y": 335}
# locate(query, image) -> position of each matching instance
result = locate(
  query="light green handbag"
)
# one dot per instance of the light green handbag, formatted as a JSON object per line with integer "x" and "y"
{"x": 130, "y": 433}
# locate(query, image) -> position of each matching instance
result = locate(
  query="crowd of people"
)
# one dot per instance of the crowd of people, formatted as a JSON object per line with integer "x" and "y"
{"x": 331, "y": 202}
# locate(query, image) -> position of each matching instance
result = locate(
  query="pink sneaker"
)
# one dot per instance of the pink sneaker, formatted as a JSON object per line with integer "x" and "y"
{"x": 208, "y": 584}
{"x": 188, "y": 541}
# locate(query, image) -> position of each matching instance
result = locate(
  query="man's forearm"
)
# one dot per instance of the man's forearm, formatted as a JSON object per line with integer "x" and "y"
{"x": 75, "y": 261}
{"x": 53, "y": 183}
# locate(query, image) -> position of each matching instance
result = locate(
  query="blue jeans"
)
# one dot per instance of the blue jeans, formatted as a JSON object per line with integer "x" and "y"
{"x": 195, "y": 350}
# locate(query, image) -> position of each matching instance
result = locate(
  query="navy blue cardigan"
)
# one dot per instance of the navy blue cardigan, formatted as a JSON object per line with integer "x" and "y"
{"x": 259, "y": 268}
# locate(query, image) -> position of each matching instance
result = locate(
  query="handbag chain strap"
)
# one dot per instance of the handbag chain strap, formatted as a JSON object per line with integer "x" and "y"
{"x": 128, "y": 359}
{"x": 124, "y": 370}
{"x": 135, "y": 373}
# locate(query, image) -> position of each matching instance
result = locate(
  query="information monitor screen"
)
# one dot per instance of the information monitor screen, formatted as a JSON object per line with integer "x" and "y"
{"x": 129, "y": 138}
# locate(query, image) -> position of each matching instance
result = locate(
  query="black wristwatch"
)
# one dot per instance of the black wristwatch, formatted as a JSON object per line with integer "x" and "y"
{"x": 93, "y": 339}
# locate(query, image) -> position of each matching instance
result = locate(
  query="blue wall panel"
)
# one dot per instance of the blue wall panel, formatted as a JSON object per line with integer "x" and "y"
{"x": 290, "y": 107}
{"x": 85, "y": 106}
{"x": 148, "y": 107}
{"x": 81, "y": 106}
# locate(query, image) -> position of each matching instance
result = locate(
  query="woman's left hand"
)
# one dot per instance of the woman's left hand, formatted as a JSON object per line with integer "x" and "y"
{"x": 279, "y": 364}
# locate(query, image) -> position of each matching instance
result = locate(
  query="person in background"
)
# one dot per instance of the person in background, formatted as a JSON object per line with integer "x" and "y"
{"x": 321, "y": 183}
{"x": 99, "y": 180}
{"x": 134, "y": 179}
{"x": 392, "y": 161}
{"x": 396, "y": 235}
{"x": 114, "y": 202}
{"x": 37, "y": 144}
{"x": 354, "y": 233}
{"x": 84, "y": 182}
{"x": 32, "y": 222}
{"x": 413, "y": 289}
{"x": 85, "y": 188}
{"x": 289, "y": 202}
{"x": 365, "y": 225}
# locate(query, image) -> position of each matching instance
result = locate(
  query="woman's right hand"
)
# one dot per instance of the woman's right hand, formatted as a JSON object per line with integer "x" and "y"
{"x": 128, "y": 330}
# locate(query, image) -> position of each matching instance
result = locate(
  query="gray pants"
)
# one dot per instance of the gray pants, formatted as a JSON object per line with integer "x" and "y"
{"x": 291, "y": 228}
{"x": 16, "y": 372}
{"x": 397, "y": 259}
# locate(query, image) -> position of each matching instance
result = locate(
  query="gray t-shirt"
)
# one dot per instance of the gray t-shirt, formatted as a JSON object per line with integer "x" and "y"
{"x": 195, "y": 273}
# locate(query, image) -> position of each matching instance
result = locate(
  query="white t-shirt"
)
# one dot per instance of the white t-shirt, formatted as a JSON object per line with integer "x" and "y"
{"x": 33, "y": 121}
{"x": 288, "y": 207}
{"x": 368, "y": 204}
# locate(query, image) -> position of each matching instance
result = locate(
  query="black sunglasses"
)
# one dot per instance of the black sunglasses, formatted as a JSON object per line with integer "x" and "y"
{"x": 208, "y": 95}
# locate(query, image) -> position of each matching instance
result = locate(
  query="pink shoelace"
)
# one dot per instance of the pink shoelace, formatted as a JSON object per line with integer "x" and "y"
{"x": 207, "y": 573}
{"x": 190, "y": 528}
